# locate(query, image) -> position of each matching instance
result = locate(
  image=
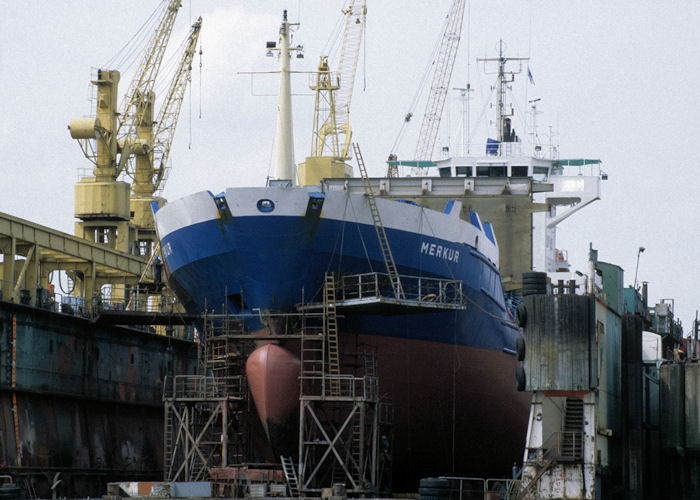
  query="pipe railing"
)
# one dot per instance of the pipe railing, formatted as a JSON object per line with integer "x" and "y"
{"x": 196, "y": 387}
{"x": 416, "y": 288}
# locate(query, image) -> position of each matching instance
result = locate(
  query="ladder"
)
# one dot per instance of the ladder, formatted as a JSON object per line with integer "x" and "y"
{"x": 312, "y": 358}
{"x": 142, "y": 279}
{"x": 369, "y": 359}
{"x": 168, "y": 442}
{"x": 379, "y": 227}
{"x": 290, "y": 475}
{"x": 357, "y": 446}
{"x": 330, "y": 322}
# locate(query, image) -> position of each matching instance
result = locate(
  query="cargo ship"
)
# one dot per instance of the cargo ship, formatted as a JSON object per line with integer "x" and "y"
{"x": 449, "y": 374}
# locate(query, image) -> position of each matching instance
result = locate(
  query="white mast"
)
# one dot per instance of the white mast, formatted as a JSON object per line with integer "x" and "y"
{"x": 464, "y": 98}
{"x": 284, "y": 143}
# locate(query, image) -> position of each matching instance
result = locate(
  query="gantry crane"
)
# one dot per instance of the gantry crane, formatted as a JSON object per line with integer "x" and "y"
{"x": 333, "y": 94}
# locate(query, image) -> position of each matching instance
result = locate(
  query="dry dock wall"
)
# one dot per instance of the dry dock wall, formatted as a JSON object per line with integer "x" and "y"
{"x": 82, "y": 400}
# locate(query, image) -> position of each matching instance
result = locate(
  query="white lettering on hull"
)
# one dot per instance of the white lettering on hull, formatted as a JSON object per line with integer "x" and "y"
{"x": 439, "y": 251}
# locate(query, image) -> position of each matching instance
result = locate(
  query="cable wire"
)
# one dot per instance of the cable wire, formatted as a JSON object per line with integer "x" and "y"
{"x": 421, "y": 87}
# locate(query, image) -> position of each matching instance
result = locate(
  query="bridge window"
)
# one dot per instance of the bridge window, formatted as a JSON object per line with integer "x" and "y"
{"x": 463, "y": 171}
{"x": 540, "y": 173}
{"x": 518, "y": 171}
{"x": 490, "y": 171}
{"x": 445, "y": 172}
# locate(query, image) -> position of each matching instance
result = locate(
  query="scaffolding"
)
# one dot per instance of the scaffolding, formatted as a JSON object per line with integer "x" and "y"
{"x": 341, "y": 438}
{"x": 343, "y": 423}
{"x": 206, "y": 414}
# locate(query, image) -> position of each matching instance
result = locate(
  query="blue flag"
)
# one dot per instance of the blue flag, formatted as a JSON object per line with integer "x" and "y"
{"x": 529, "y": 75}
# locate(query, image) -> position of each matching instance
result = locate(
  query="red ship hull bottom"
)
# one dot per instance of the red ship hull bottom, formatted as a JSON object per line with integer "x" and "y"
{"x": 456, "y": 410}
{"x": 273, "y": 377}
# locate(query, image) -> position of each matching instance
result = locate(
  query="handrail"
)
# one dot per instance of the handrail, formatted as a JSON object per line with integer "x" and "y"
{"x": 564, "y": 446}
{"x": 342, "y": 386}
{"x": 417, "y": 288}
{"x": 198, "y": 387}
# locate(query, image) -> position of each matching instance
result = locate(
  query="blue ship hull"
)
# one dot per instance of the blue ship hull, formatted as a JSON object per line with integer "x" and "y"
{"x": 276, "y": 265}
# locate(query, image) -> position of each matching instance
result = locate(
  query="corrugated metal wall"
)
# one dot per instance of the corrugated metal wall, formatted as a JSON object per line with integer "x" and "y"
{"x": 692, "y": 406}
{"x": 560, "y": 338}
{"x": 672, "y": 388}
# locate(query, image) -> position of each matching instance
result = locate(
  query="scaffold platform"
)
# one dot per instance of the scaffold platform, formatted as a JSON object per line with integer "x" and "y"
{"x": 372, "y": 293}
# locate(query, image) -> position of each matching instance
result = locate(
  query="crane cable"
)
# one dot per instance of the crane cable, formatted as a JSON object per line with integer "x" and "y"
{"x": 200, "y": 78}
{"x": 421, "y": 86}
{"x": 170, "y": 68}
{"x": 332, "y": 45}
{"x": 132, "y": 50}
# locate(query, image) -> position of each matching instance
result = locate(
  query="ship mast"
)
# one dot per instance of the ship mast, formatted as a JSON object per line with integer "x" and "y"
{"x": 502, "y": 60}
{"x": 284, "y": 144}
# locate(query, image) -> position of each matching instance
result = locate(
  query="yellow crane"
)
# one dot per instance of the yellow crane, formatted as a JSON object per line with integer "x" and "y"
{"x": 137, "y": 103}
{"x": 333, "y": 94}
{"x": 121, "y": 145}
{"x": 355, "y": 17}
{"x": 129, "y": 145}
{"x": 151, "y": 159}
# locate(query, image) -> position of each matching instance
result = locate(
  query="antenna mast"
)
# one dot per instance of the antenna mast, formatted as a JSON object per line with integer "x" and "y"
{"x": 503, "y": 125}
{"x": 535, "y": 137}
{"x": 464, "y": 97}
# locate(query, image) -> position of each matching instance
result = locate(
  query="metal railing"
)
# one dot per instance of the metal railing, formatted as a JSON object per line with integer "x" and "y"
{"x": 342, "y": 386}
{"x": 197, "y": 387}
{"x": 477, "y": 488}
{"x": 46, "y": 298}
{"x": 416, "y": 288}
{"x": 79, "y": 307}
{"x": 138, "y": 301}
{"x": 564, "y": 446}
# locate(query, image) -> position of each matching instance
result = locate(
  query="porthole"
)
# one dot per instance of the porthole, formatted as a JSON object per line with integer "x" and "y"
{"x": 266, "y": 205}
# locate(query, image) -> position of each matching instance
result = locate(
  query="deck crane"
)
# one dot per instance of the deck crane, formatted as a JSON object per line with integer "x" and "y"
{"x": 355, "y": 17}
{"x": 137, "y": 103}
{"x": 151, "y": 162}
{"x": 444, "y": 63}
{"x": 333, "y": 95}
{"x": 110, "y": 140}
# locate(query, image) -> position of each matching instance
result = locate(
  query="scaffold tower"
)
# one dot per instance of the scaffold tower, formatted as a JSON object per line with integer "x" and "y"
{"x": 206, "y": 414}
{"x": 340, "y": 439}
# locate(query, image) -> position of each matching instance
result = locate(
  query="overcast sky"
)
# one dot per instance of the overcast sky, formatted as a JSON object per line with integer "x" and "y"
{"x": 617, "y": 81}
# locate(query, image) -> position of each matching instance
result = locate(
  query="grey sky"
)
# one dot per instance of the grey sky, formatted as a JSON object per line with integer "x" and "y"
{"x": 617, "y": 82}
